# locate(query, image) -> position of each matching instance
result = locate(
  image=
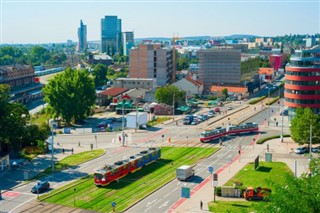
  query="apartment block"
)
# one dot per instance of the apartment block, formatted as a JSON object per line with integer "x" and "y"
{"x": 151, "y": 61}
{"x": 218, "y": 66}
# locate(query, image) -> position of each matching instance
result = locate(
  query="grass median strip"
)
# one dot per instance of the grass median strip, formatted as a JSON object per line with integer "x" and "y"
{"x": 130, "y": 189}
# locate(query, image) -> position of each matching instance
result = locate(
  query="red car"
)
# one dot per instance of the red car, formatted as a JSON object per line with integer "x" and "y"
{"x": 217, "y": 109}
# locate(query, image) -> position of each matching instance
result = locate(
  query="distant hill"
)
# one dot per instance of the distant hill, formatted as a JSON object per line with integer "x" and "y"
{"x": 240, "y": 36}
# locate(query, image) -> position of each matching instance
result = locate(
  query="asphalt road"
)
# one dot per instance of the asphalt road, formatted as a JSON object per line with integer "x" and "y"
{"x": 181, "y": 136}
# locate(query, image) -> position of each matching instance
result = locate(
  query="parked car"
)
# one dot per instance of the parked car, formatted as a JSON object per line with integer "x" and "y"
{"x": 284, "y": 112}
{"x": 105, "y": 123}
{"x": 210, "y": 114}
{"x": 217, "y": 109}
{"x": 316, "y": 149}
{"x": 188, "y": 119}
{"x": 195, "y": 120}
{"x": 229, "y": 108}
{"x": 205, "y": 117}
{"x": 40, "y": 187}
{"x": 200, "y": 117}
{"x": 301, "y": 150}
{"x": 119, "y": 120}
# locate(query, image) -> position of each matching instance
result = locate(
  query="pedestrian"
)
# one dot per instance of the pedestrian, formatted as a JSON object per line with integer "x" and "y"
{"x": 277, "y": 123}
{"x": 62, "y": 150}
{"x": 201, "y": 204}
{"x": 120, "y": 139}
{"x": 79, "y": 144}
{"x": 58, "y": 144}
{"x": 268, "y": 147}
{"x": 71, "y": 150}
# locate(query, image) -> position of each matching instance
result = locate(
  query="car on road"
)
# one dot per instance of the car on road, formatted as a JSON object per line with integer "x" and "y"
{"x": 205, "y": 117}
{"x": 105, "y": 122}
{"x": 119, "y": 120}
{"x": 316, "y": 149}
{"x": 217, "y": 109}
{"x": 301, "y": 150}
{"x": 229, "y": 108}
{"x": 40, "y": 187}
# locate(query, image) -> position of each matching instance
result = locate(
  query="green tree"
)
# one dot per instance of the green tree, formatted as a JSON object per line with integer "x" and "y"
{"x": 70, "y": 95}
{"x": 167, "y": 93}
{"x": 100, "y": 74}
{"x": 39, "y": 55}
{"x": 12, "y": 121}
{"x": 296, "y": 195}
{"x": 300, "y": 126}
{"x": 225, "y": 93}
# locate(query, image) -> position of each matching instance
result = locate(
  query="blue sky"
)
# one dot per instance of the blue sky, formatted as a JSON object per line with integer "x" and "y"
{"x": 35, "y": 21}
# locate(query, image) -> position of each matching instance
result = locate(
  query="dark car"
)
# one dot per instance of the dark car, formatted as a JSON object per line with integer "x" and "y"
{"x": 40, "y": 187}
{"x": 105, "y": 123}
{"x": 284, "y": 112}
{"x": 301, "y": 150}
{"x": 316, "y": 149}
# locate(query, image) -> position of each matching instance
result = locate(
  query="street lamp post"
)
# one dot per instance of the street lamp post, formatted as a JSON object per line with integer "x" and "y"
{"x": 173, "y": 106}
{"x": 282, "y": 121}
{"x": 123, "y": 102}
{"x": 268, "y": 105}
{"x": 74, "y": 196}
{"x": 52, "y": 147}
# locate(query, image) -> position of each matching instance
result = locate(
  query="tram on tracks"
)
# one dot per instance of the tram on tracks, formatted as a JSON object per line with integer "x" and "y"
{"x": 212, "y": 134}
{"x": 119, "y": 169}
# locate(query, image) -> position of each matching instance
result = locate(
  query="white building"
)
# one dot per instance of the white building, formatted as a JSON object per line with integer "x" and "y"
{"x": 190, "y": 85}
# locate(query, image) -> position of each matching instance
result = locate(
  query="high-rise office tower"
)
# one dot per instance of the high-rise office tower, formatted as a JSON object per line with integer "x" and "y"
{"x": 82, "y": 37}
{"x": 111, "y": 34}
{"x": 128, "y": 42}
{"x": 219, "y": 66}
{"x": 151, "y": 61}
{"x": 302, "y": 81}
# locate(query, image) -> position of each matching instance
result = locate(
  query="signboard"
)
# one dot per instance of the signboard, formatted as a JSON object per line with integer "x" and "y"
{"x": 211, "y": 169}
{"x": 66, "y": 130}
{"x": 185, "y": 192}
{"x": 113, "y": 204}
{"x": 256, "y": 162}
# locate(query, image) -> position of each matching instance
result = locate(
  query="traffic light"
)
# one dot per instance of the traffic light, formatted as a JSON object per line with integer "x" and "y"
{"x": 215, "y": 177}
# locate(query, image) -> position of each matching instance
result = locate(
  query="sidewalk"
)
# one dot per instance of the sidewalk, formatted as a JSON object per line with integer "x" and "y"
{"x": 16, "y": 177}
{"x": 281, "y": 152}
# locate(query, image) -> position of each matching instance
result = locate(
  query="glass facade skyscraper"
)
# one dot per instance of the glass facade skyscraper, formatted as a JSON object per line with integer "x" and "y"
{"x": 82, "y": 37}
{"x": 111, "y": 35}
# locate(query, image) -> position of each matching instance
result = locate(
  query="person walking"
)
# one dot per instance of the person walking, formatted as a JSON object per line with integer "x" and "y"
{"x": 201, "y": 204}
{"x": 62, "y": 150}
{"x": 71, "y": 150}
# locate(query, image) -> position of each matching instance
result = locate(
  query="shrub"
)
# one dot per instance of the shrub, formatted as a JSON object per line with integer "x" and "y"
{"x": 218, "y": 191}
{"x": 262, "y": 140}
{"x": 256, "y": 100}
{"x": 273, "y": 101}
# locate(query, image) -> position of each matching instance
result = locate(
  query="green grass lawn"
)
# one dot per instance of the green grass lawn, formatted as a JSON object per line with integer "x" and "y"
{"x": 132, "y": 187}
{"x": 234, "y": 207}
{"x": 266, "y": 173}
{"x": 72, "y": 160}
{"x": 39, "y": 118}
{"x": 158, "y": 120}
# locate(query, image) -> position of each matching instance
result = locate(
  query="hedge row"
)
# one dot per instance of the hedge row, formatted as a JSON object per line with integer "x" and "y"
{"x": 256, "y": 100}
{"x": 273, "y": 100}
{"x": 262, "y": 140}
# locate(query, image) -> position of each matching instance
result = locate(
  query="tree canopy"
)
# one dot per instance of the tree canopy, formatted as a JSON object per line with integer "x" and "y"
{"x": 166, "y": 94}
{"x": 99, "y": 72}
{"x": 297, "y": 194}
{"x": 70, "y": 95}
{"x": 300, "y": 126}
{"x": 15, "y": 134}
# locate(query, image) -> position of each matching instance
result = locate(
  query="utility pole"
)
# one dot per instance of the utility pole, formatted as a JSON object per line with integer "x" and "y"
{"x": 282, "y": 121}
{"x": 123, "y": 102}
{"x": 173, "y": 105}
{"x": 52, "y": 147}
{"x": 268, "y": 105}
{"x": 310, "y": 155}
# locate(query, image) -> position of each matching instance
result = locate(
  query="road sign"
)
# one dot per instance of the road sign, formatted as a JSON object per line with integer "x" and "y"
{"x": 185, "y": 192}
{"x": 113, "y": 204}
{"x": 211, "y": 169}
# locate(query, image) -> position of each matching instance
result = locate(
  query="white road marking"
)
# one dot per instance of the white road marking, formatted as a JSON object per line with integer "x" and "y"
{"x": 12, "y": 210}
{"x": 167, "y": 194}
{"x": 164, "y": 204}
